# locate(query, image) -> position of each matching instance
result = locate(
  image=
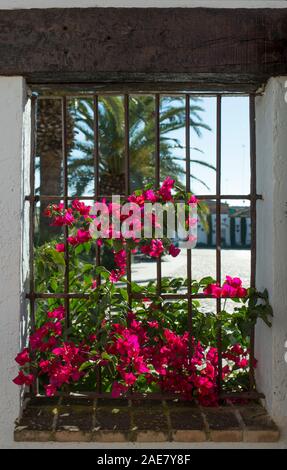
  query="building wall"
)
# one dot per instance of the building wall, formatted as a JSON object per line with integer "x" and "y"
{"x": 226, "y": 228}
{"x": 271, "y": 118}
{"x": 11, "y": 152}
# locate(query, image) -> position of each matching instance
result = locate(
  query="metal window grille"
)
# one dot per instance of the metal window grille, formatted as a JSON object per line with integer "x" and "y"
{"x": 252, "y": 196}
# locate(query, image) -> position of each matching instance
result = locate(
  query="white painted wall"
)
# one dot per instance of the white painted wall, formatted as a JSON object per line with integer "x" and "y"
{"x": 11, "y": 123}
{"x": 11, "y": 4}
{"x": 271, "y": 115}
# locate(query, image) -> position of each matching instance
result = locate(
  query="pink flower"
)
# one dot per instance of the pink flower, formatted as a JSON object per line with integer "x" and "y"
{"x": 44, "y": 366}
{"x": 129, "y": 378}
{"x": 150, "y": 195}
{"x": 73, "y": 241}
{"x": 23, "y": 357}
{"x": 153, "y": 324}
{"x": 58, "y": 313}
{"x": 174, "y": 251}
{"x": 193, "y": 200}
{"x": 23, "y": 379}
{"x": 243, "y": 363}
{"x": 137, "y": 199}
{"x": 121, "y": 259}
{"x": 60, "y": 247}
{"x": 157, "y": 248}
{"x": 145, "y": 249}
{"x": 83, "y": 236}
{"x": 50, "y": 390}
{"x": 115, "y": 276}
{"x": 231, "y": 288}
{"x": 81, "y": 208}
{"x": 118, "y": 389}
{"x": 165, "y": 189}
{"x": 237, "y": 349}
{"x": 236, "y": 283}
{"x": 214, "y": 290}
{"x": 94, "y": 284}
{"x": 66, "y": 219}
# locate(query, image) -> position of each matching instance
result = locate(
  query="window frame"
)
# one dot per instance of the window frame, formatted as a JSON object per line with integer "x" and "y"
{"x": 65, "y": 93}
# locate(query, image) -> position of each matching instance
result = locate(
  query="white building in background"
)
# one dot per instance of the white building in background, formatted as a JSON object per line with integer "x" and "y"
{"x": 235, "y": 227}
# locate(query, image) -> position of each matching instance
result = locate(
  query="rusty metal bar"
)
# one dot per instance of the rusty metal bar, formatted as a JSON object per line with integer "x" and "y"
{"x": 218, "y": 237}
{"x": 96, "y": 194}
{"x": 97, "y": 170}
{"x": 32, "y": 211}
{"x": 188, "y": 253}
{"x": 204, "y": 197}
{"x": 34, "y": 387}
{"x": 66, "y": 229}
{"x": 127, "y": 187}
{"x": 78, "y": 295}
{"x": 253, "y": 211}
{"x": 157, "y": 178}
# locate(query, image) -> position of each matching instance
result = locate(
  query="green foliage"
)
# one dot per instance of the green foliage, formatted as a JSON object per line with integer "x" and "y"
{"x": 110, "y": 301}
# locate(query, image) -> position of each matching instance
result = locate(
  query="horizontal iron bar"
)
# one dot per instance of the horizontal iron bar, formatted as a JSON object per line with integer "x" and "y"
{"x": 90, "y": 198}
{"x": 75, "y": 295}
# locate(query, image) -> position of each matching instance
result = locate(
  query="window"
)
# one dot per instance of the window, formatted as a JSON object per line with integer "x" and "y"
{"x": 91, "y": 145}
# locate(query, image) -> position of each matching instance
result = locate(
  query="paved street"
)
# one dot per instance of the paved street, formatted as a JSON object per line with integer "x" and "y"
{"x": 234, "y": 263}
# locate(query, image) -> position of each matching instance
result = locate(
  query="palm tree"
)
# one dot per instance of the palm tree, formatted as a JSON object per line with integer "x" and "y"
{"x": 80, "y": 144}
{"x": 49, "y": 149}
{"x": 142, "y": 141}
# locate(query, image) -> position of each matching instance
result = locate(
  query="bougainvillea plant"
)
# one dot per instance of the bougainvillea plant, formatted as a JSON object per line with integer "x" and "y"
{"x": 140, "y": 343}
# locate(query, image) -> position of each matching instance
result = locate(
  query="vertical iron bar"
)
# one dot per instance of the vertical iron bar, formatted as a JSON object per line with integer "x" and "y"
{"x": 253, "y": 203}
{"x": 34, "y": 387}
{"x": 218, "y": 236}
{"x": 32, "y": 211}
{"x": 97, "y": 169}
{"x": 66, "y": 230}
{"x": 157, "y": 176}
{"x": 127, "y": 186}
{"x": 96, "y": 194}
{"x": 188, "y": 253}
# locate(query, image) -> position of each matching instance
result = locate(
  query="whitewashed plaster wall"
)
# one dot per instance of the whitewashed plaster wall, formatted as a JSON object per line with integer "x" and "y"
{"x": 11, "y": 4}
{"x": 12, "y": 92}
{"x": 271, "y": 123}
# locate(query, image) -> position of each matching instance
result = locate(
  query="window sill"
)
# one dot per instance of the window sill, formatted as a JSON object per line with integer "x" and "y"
{"x": 78, "y": 419}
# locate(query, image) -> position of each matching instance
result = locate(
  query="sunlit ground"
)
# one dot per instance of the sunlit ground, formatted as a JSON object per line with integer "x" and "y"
{"x": 235, "y": 263}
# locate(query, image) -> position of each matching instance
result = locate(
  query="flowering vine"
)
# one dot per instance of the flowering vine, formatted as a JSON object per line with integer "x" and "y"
{"x": 141, "y": 347}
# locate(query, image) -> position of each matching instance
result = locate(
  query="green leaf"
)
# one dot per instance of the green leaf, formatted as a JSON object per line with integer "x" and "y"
{"x": 86, "y": 365}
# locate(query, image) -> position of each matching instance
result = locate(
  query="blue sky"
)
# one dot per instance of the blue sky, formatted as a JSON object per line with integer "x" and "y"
{"x": 235, "y": 147}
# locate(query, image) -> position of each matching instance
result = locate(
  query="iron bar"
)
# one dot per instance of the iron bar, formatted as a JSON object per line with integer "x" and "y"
{"x": 98, "y": 369}
{"x": 188, "y": 252}
{"x": 66, "y": 229}
{"x": 79, "y": 295}
{"x": 32, "y": 210}
{"x": 253, "y": 211}
{"x": 127, "y": 187}
{"x": 157, "y": 178}
{"x": 38, "y": 198}
{"x": 218, "y": 237}
{"x": 34, "y": 387}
